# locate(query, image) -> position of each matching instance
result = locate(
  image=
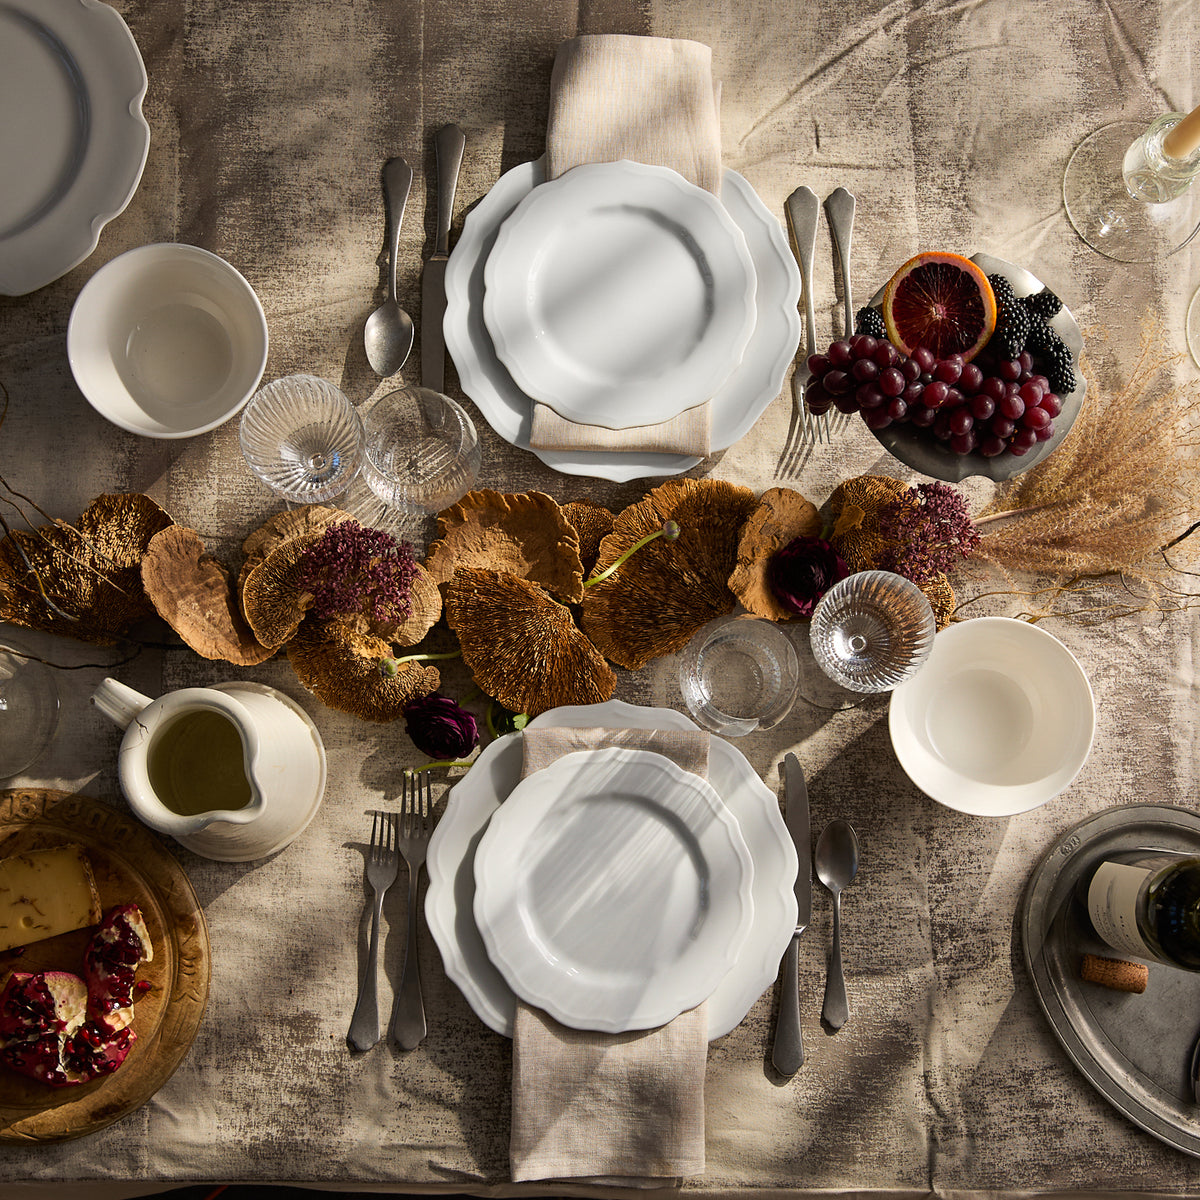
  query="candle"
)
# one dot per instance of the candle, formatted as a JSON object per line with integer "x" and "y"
{"x": 1184, "y": 138}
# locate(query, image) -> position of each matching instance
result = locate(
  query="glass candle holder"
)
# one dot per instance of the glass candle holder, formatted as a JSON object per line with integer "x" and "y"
{"x": 28, "y": 710}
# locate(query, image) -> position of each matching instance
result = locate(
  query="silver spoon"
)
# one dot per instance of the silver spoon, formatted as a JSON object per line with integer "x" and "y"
{"x": 389, "y": 332}
{"x": 836, "y": 861}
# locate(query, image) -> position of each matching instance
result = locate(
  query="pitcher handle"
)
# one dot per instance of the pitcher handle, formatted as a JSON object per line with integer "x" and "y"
{"x": 118, "y": 702}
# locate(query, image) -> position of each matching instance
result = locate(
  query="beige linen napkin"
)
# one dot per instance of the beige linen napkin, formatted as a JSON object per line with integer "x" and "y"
{"x": 623, "y": 1108}
{"x": 650, "y": 100}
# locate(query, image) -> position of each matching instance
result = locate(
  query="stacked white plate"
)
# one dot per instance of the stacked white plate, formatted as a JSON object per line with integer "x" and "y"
{"x": 621, "y": 295}
{"x": 612, "y": 889}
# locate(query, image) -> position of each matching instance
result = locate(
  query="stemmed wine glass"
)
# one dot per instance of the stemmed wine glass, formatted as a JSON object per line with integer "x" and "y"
{"x": 302, "y": 437}
{"x": 1127, "y": 188}
{"x": 869, "y": 633}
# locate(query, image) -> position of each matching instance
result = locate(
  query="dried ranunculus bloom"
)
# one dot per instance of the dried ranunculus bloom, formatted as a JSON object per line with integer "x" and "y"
{"x": 803, "y": 571}
{"x": 440, "y": 728}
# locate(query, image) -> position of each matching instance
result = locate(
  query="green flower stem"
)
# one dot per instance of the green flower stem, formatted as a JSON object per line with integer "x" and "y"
{"x": 442, "y": 762}
{"x": 669, "y": 530}
{"x": 388, "y": 666}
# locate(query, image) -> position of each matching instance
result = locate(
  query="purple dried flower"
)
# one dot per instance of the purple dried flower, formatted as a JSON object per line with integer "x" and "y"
{"x": 439, "y": 727}
{"x": 353, "y": 569}
{"x": 927, "y": 529}
{"x": 803, "y": 571}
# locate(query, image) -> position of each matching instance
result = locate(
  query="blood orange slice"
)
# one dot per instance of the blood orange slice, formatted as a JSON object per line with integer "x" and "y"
{"x": 941, "y": 301}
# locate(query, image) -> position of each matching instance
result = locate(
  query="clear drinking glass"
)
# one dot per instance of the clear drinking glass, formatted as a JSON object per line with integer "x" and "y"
{"x": 739, "y": 674}
{"x": 28, "y": 710}
{"x": 872, "y": 631}
{"x": 1128, "y": 187}
{"x": 302, "y": 437}
{"x": 422, "y": 451}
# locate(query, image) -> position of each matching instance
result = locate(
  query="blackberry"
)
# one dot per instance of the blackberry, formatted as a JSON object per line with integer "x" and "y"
{"x": 1012, "y": 328}
{"x": 1058, "y": 363}
{"x": 870, "y": 320}
{"x": 1040, "y": 335}
{"x": 1002, "y": 289}
{"x": 1044, "y": 304}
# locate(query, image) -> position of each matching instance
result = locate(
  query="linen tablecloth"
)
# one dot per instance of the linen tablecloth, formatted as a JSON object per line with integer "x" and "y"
{"x": 951, "y": 122}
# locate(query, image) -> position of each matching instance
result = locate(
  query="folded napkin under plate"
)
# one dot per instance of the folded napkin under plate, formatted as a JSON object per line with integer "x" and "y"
{"x": 598, "y": 1105}
{"x": 603, "y": 93}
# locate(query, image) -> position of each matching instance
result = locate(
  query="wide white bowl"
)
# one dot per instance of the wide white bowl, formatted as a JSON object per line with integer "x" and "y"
{"x": 998, "y": 721}
{"x": 167, "y": 341}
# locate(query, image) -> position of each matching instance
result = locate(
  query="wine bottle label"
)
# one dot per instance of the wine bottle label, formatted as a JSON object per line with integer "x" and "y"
{"x": 1112, "y": 906}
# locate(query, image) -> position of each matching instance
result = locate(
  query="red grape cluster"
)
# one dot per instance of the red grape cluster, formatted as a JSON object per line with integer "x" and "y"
{"x": 990, "y": 406}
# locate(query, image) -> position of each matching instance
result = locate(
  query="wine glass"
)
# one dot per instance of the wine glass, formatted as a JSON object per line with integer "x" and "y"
{"x": 869, "y": 633}
{"x": 422, "y": 454}
{"x": 302, "y": 437}
{"x": 738, "y": 674}
{"x": 28, "y": 709}
{"x": 1127, "y": 187}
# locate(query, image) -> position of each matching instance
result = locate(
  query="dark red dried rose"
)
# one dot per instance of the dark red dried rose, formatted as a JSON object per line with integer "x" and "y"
{"x": 803, "y": 571}
{"x": 440, "y": 728}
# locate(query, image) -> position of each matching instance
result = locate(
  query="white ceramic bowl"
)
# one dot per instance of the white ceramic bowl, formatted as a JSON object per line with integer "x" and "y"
{"x": 167, "y": 341}
{"x": 998, "y": 721}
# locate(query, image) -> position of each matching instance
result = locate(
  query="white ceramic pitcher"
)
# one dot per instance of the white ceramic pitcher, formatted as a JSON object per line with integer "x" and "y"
{"x": 260, "y": 800}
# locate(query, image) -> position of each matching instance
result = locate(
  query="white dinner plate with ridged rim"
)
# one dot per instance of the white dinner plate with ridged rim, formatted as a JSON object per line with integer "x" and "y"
{"x": 735, "y": 406}
{"x": 612, "y": 889}
{"x": 73, "y": 142}
{"x": 472, "y": 801}
{"x": 619, "y": 294}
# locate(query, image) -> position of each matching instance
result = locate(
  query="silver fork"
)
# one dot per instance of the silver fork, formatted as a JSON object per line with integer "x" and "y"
{"x": 803, "y": 213}
{"x": 383, "y": 865}
{"x": 839, "y": 209}
{"x": 416, "y": 825}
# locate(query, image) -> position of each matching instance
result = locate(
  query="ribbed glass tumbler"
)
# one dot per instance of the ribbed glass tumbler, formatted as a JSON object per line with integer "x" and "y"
{"x": 302, "y": 437}
{"x": 872, "y": 631}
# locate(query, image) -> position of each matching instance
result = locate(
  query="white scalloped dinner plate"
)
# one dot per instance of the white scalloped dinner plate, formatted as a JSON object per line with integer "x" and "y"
{"x": 472, "y": 801}
{"x": 735, "y": 406}
{"x": 612, "y": 889}
{"x": 73, "y": 141}
{"x": 619, "y": 294}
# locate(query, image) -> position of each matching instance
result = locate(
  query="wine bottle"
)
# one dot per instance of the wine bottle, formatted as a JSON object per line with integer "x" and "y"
{"x": 1147, "y": 904}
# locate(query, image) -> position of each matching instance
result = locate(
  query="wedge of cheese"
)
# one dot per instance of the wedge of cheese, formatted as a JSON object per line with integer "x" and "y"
{"x": 44, "y": 893}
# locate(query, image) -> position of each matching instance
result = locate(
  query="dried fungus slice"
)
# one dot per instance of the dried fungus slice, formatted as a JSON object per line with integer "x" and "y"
{"x": 782, "y": 515}
{"x": 282, "y": 527}
{"x": 854, "y": 508}
{"x": 660, "y": 596}
{"x": 941, "y": 599}
{"x": 593, "y": 523}
{"x": 192, "y": 592}
{"x": 523, "y": 647}
{"x": 91, "y": 571}
{"x": 273, "y": 602}
{"x": 340, "y": 666}
{"x": 521, "y": 533}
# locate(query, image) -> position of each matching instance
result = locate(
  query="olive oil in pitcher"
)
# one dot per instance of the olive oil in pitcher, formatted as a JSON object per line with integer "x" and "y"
{"x": 196, "y": 764}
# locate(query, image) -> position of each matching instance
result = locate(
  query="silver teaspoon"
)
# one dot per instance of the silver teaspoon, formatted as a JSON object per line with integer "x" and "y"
{"x": 836, "y": 860}
{"x": 389, "y": 332}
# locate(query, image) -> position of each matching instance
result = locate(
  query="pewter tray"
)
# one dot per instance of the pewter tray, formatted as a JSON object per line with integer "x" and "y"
{"x": 1135, "y": 1050}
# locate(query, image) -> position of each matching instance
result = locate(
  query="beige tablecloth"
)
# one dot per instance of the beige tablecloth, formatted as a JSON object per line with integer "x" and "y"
{"x": 951, "y": 122}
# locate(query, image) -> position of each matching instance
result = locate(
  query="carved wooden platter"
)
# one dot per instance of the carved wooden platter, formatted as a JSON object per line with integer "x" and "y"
{"x": 131, "y": 867}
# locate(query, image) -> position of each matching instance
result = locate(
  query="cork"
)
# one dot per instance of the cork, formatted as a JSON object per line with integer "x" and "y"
{"x": 1115, "y": 973}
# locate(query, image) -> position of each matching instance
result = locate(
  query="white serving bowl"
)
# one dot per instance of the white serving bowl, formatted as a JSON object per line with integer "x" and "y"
{"x": 167, "y": 341}
{"x": 998, "y": 721}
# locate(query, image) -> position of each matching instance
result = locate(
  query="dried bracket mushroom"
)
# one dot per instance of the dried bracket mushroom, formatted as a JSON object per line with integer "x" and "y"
{"x": 782, "y": 515}
{"x": 659, "y": 597}
{"x": 523, "y": 647}
{"x": 192, "y": 592}
{"x": 90, "y": 571}
{"x": 523, "y": 533}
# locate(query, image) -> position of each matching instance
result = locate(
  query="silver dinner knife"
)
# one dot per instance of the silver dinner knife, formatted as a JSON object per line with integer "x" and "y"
{"x": 449, "y": 144}
{"x": 839, "y": 207}
{"x": 787, "y": 1053}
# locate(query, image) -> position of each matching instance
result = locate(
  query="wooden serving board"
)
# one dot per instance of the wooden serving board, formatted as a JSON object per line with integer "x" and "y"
{"x": 131, "y": 867}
